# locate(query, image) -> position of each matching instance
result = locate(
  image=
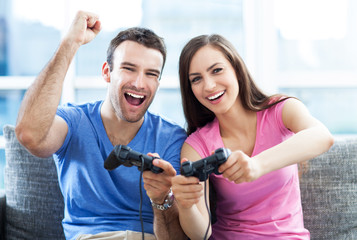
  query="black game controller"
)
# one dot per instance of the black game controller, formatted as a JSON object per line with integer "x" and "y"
{"x": 202, "y": 168}
{"x": 124, "y": 155}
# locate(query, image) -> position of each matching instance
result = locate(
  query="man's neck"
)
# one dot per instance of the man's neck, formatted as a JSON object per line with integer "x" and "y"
{"x": 119, "y": 131}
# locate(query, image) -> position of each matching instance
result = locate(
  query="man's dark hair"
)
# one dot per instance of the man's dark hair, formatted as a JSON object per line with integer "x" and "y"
{"x": 140, "y": 35}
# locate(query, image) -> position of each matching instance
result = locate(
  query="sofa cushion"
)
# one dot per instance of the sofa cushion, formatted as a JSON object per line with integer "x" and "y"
{"x": 2, "y": 213}
{"x": 329, "y": 192}
{"x": 34, "y": 203}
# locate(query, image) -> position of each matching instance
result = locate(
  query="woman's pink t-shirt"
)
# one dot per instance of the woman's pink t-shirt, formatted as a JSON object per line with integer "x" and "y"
{"x": 267, "y": 208}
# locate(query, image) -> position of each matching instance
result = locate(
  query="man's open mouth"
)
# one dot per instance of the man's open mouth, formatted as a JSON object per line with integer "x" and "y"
{"x": 134, "y": 99}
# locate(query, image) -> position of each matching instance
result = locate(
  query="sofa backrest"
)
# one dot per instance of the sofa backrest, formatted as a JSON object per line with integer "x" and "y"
{"x": 329, "y": 192}
{"x": 34, "y": 203}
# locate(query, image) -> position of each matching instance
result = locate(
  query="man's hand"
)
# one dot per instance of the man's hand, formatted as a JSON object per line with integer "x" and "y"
{"x": 84, "y": 28}
{"x": 157, "y": 186}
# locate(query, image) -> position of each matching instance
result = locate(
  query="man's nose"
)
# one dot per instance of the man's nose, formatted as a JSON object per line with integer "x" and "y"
{"x": 139, "y": 80}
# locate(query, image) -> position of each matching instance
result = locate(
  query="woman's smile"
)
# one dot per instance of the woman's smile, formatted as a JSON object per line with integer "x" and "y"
{"x": 216, "y": 96}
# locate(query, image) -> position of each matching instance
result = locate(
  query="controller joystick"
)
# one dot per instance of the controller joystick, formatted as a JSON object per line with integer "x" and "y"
{"x": 203, "y": 167}
{"x": 124, "y": 155}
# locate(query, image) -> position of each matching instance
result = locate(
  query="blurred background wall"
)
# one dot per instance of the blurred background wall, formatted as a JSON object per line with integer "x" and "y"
{"x": 304, "y": 48}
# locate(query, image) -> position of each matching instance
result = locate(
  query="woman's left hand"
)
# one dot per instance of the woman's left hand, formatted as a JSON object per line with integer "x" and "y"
{"x": 239, "y": 168}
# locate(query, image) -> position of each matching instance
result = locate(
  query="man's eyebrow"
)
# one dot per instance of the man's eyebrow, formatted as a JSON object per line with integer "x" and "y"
{"x": 127, "y": 64}
{"x": 158, "y": 72}
{"x": 155, "y": 71}
{"x": 208, "y": 69}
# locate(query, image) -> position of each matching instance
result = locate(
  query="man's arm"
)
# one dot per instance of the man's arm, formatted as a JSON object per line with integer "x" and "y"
{"x": 38, "y": 128}
{"x": 167, "y": 224}
{"x": 157, "y": 186}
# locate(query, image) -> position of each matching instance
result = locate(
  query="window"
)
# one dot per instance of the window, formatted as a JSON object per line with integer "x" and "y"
{"x": 28, "y": 39}
{"x": 302, "y": 48}
{"x": 315, "y": 52}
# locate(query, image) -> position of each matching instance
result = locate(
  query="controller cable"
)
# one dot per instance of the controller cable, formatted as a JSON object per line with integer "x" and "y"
{"x": 141, "y": 198}
{"x": 205, "y": 193}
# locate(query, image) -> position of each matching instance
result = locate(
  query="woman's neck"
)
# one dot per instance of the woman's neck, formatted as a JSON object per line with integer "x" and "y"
{"x": 238, "y": 129}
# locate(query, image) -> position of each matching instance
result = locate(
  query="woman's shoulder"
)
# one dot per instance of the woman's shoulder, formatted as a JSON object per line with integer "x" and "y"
{"x": 276, "y": 104}
{"x": 205, "y": 139}
{"x": 211, "y": 128}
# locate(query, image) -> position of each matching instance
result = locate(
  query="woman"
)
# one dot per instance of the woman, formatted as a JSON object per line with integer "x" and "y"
{"x": 258, "y": 195}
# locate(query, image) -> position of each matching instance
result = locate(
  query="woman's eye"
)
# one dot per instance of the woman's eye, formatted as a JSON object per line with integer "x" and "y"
{"x": 195, "y": 79}
{"x": 217, "y": 70}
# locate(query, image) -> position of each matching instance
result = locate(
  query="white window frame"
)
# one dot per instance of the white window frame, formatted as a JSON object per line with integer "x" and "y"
{"x": 261, "y": 47}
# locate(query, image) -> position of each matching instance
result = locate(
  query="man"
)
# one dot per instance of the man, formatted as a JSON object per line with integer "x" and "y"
{"x": 101, "y": 203}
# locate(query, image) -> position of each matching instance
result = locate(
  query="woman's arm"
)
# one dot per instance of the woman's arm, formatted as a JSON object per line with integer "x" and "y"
{"x": 311, "y": 139}
{"x": 189, "y": 195}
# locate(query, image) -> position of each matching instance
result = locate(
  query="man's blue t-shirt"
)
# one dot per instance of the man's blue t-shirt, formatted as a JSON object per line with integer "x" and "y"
{"x": 97, "y": 200}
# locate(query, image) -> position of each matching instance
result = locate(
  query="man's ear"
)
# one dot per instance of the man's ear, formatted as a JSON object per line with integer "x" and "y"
{"x": 106, "y": 72}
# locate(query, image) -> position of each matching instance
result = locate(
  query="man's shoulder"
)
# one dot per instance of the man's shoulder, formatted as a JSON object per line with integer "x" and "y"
{"x": 88, "y": 106}
{"x": 77, "y": 109}
{"x": 164, "y": 129}
{"x": 162, "y": 122}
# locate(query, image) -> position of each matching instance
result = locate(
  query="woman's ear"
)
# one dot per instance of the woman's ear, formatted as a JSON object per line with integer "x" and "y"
{"x": 106, "y": 72}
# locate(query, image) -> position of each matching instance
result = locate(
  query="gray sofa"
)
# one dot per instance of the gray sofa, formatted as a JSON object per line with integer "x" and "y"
{"x": 33, "y": 202}
{"x": 34, "y": 207}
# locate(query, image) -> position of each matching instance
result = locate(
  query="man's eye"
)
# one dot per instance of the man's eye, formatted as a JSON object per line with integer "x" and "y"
{"x": 153, "y": 75}
{"x": 128, "y": 69}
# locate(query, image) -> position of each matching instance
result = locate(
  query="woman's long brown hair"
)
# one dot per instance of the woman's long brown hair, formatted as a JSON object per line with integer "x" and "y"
{"x": 251, "y": 96}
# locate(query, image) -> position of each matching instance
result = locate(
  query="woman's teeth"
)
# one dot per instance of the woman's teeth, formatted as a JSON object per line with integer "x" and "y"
{"x": 215, "y": 96}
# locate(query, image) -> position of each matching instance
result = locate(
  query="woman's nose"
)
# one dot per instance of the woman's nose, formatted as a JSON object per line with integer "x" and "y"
{"x": 210, "y": 84}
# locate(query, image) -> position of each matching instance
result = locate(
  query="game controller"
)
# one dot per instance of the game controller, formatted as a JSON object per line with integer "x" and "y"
{"x": 124, "y": 155}
{"x": 202, "y": 168}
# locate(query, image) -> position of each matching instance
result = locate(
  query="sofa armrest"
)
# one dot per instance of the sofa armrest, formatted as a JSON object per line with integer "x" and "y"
{"x": 34, "y": 203}
{"x": 2, "y": 213}
{"x": 329, "y": 192}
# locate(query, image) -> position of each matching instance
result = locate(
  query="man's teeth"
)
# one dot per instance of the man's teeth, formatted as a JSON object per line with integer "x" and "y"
{"x": 216, "y": 96}
{"x": 135, "y": 96}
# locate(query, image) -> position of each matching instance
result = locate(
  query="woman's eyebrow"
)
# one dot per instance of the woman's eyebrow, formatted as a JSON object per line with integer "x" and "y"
{"x": 208, "y": 69}
{"x": 212, "y": 66}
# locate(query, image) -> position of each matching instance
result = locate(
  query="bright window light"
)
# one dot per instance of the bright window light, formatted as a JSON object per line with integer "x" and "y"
{"x": 311, "y": 19}
{"x": 113, "y": 14}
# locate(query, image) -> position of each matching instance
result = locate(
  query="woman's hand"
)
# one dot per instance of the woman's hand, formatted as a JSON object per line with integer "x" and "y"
{"x": 187, "y": 190}
{"x": 239, "y": 168}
